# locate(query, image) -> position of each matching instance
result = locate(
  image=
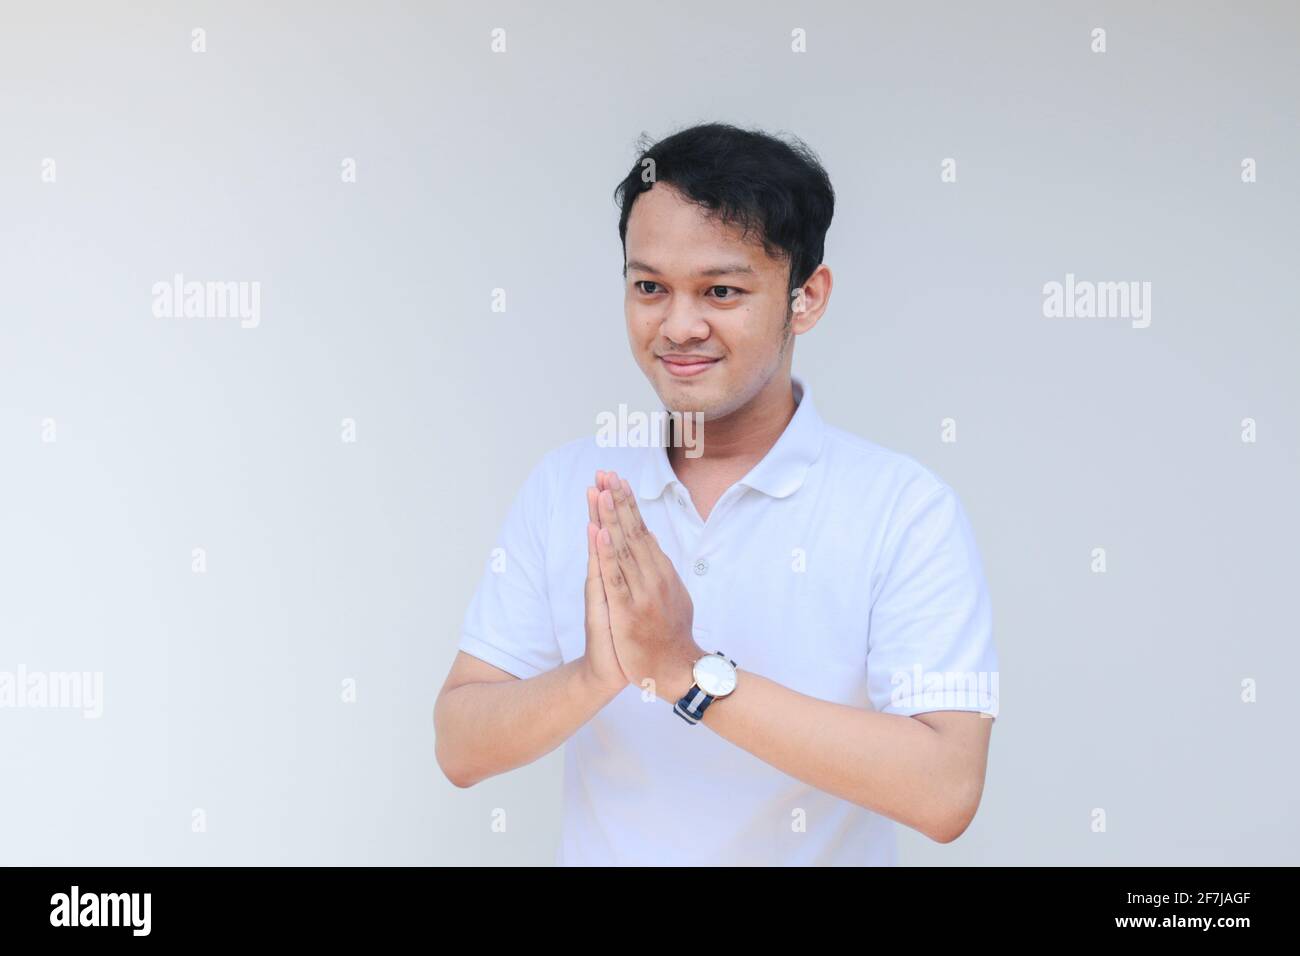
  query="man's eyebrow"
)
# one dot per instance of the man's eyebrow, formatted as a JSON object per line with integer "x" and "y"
{"x": 727, "y": 269}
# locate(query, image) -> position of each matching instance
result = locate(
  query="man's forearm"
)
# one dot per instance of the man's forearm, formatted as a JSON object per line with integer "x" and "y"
{"x": 483, "y": 729}
{"x": 894, "y": 765}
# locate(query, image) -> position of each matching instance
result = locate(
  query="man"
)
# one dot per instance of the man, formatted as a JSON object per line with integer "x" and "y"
{"x": 839, "y": 581}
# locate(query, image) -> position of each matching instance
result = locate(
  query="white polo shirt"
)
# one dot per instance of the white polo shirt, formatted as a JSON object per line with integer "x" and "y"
{"x": 836, "y": 567}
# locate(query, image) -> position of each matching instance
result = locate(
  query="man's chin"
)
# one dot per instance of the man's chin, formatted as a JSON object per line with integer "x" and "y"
{"x": 685, "y": 397}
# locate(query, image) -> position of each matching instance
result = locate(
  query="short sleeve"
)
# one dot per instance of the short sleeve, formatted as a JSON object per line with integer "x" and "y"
{"x": 930, "y": 643}
{"x": 508, "y": 623}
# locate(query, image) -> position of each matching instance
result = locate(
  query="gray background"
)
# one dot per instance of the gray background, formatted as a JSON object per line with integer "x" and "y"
{"x": 329, "y": 561}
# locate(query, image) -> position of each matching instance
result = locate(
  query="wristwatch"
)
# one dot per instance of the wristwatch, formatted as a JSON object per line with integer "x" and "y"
{"x": 715, "y": 676}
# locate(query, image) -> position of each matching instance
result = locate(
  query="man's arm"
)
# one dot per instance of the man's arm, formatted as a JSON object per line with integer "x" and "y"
{"x": 925, "y": 771}
{"x": 488, "y": 721}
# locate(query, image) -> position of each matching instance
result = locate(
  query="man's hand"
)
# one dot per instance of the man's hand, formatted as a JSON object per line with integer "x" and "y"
{"x": 650, "y": 610}
{"x": 603, "y": 667}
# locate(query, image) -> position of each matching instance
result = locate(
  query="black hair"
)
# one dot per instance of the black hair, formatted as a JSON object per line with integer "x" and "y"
{"x": 746, "y": 178}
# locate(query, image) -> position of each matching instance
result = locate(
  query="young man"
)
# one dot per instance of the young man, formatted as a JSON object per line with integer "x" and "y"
{"x": 838, "y": 581}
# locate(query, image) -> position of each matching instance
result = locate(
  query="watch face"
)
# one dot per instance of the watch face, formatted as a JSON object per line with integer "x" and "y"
{"x": 715, "y": 675}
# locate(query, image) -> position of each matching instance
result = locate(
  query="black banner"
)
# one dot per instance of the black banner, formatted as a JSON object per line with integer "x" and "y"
{"x": 978, "y": 906}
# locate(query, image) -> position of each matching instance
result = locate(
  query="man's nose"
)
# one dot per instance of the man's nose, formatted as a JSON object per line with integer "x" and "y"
{"x": 685, "y": 321}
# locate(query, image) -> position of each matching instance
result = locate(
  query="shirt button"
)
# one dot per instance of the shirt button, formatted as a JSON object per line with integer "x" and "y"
{"x": 701, "y": 566}
{"x": 681, "y": 501}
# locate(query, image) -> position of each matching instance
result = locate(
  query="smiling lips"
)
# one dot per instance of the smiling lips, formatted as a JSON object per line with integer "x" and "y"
{"x": 685, "y": 366}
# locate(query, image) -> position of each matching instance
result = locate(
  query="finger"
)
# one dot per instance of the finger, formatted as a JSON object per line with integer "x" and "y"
{"x": 592, "y": 518}
{"x": 629, "y": 520}
{"x": 655, "y": 554}
{"x": 593, "y": 521}
{"x": 595, "y": 587}
{"x": 597, "y": 610}
{"x": 629, "y": 511}
{"x": 622, "y": 552}
{"x": 611, "y": 573}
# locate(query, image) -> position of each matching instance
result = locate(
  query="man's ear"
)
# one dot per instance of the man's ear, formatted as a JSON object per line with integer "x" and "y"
{"x": 809, "y": 301}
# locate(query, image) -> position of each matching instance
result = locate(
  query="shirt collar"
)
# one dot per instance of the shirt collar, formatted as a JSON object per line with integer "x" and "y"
{"x": 781, "y": 471}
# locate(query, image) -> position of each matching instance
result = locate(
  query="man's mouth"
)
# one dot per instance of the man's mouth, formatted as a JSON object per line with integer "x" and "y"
{"x": 686, "y": 366}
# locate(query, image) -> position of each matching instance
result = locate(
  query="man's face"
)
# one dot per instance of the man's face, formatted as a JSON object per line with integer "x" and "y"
{"x": 706, "y": 312}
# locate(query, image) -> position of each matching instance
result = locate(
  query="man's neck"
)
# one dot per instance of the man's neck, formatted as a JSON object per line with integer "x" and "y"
{"x": 737, "y": 442}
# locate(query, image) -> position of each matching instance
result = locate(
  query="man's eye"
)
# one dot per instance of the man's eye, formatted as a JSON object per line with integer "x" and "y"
{"x": 724, "y": 288}
{"x": 641, "y": 284}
